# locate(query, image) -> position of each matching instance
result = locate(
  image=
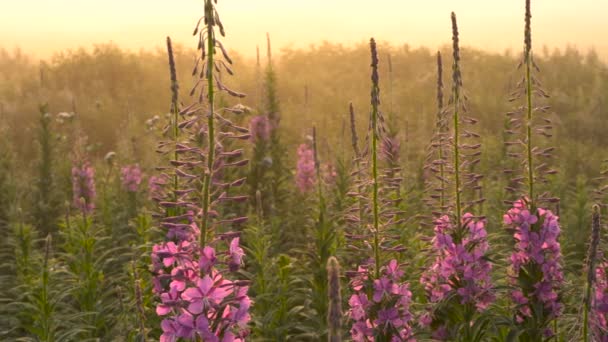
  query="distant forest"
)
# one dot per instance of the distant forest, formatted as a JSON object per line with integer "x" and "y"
{"x": 110, "y": 89}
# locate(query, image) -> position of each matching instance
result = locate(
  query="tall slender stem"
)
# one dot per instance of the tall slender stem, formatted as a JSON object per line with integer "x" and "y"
{"x": 456, "y": 98}
{"x": 440, "y": 130}
{"x": 210, "y": 120}
{"x": 375, "y": 94}
{"x": 528, "y": 62}
{"x": 316, "y": 159}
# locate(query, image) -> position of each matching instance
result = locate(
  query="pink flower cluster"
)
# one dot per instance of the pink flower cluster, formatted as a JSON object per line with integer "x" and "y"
{"x": 198, "y": 301}
{"x": 305, "y": 171}
{"x": 460, "y": 267}
{"x": 387, "y": 312}
{"x": 83, "y": 187}
{"x": 260, "y": 128}
{"x": 130, "y": 177}
{"x": 535, "y": 261}
{"x": 599, "y": 311}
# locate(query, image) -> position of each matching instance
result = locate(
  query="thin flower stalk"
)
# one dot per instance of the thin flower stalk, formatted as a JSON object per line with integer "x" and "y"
{"x": 83, "y": 187}
{"x": 458, "y": 284}
{"x": 306, "y": 169}
{"x": 131, "y": 177}
{"x": 379, "y": 305}
{"x": 536, "y": 268}
{"x": 526, "y": 123}
{"x": 198, "y": 300}
{"x": 436, "y": 168}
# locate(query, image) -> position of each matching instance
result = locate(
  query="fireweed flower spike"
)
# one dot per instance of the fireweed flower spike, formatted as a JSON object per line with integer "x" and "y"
{"x": 130, "y": 177}
{"x": 83, "y": 187}
{"x": 198, "y": 299}
{"x": 460, "y": 273}
{"x": 260, "y": 128}
{"x": 527, "y": 123}
{"x": 536, "y": 267}
{"x": 305, "y": 170}
{"x": 536, "y": 261}
{"x": 458, "y": 283}
{"x": 380, "y": 301}
{"x": 436, "y": 168}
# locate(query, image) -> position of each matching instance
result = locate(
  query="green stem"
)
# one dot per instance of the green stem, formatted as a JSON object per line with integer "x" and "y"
{"x": 375, "y": 94}
{"x": 529, "y": 127}
{"x": 442, "y": 175}
{"x": 175, "y": 154}
{"x": 456, "y": 95}
{"x": 210, "y": 121}
{"x": 586, "y": 318}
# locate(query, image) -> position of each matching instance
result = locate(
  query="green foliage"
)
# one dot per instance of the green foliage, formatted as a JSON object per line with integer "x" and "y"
{"x": 278, "y": 292}
{"x": 47, "y": 204}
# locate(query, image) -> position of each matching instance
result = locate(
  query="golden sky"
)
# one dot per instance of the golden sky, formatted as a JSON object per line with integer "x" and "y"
{"x": 40, "y": 27}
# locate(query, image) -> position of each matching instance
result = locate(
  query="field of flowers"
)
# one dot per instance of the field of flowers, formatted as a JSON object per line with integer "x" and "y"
{"x": 217, "y": 222}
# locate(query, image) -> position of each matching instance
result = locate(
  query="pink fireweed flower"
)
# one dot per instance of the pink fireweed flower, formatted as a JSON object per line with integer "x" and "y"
{"x": 358, "y": 303}
{"x": 460, "y": 267}
{"x": 83, "y": 187}
{"x": 171, "y": 253}
{"x": 195, "y": 301}
{"x": 169, "y": 300}
{"x": 170, "y": 329}
{"x": 181, "y": 276}
{"x": 305, "y": 171}
{"x": 537, "y": 249}
{"x": 207, "y": 259}
{"x": 130, "y": 177}
{"x": 388, "y": 313}
{"x": 260, "y": 128}
{"x": 460, "y": 271}
{"x": 236, "y": 255}
{"x": 207, "y": 294}
{"x": 199, "y": 299}
{"x": 383, "y": 287}
{"x": 241, "y": 314}
{"x": 393, "y": 271}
